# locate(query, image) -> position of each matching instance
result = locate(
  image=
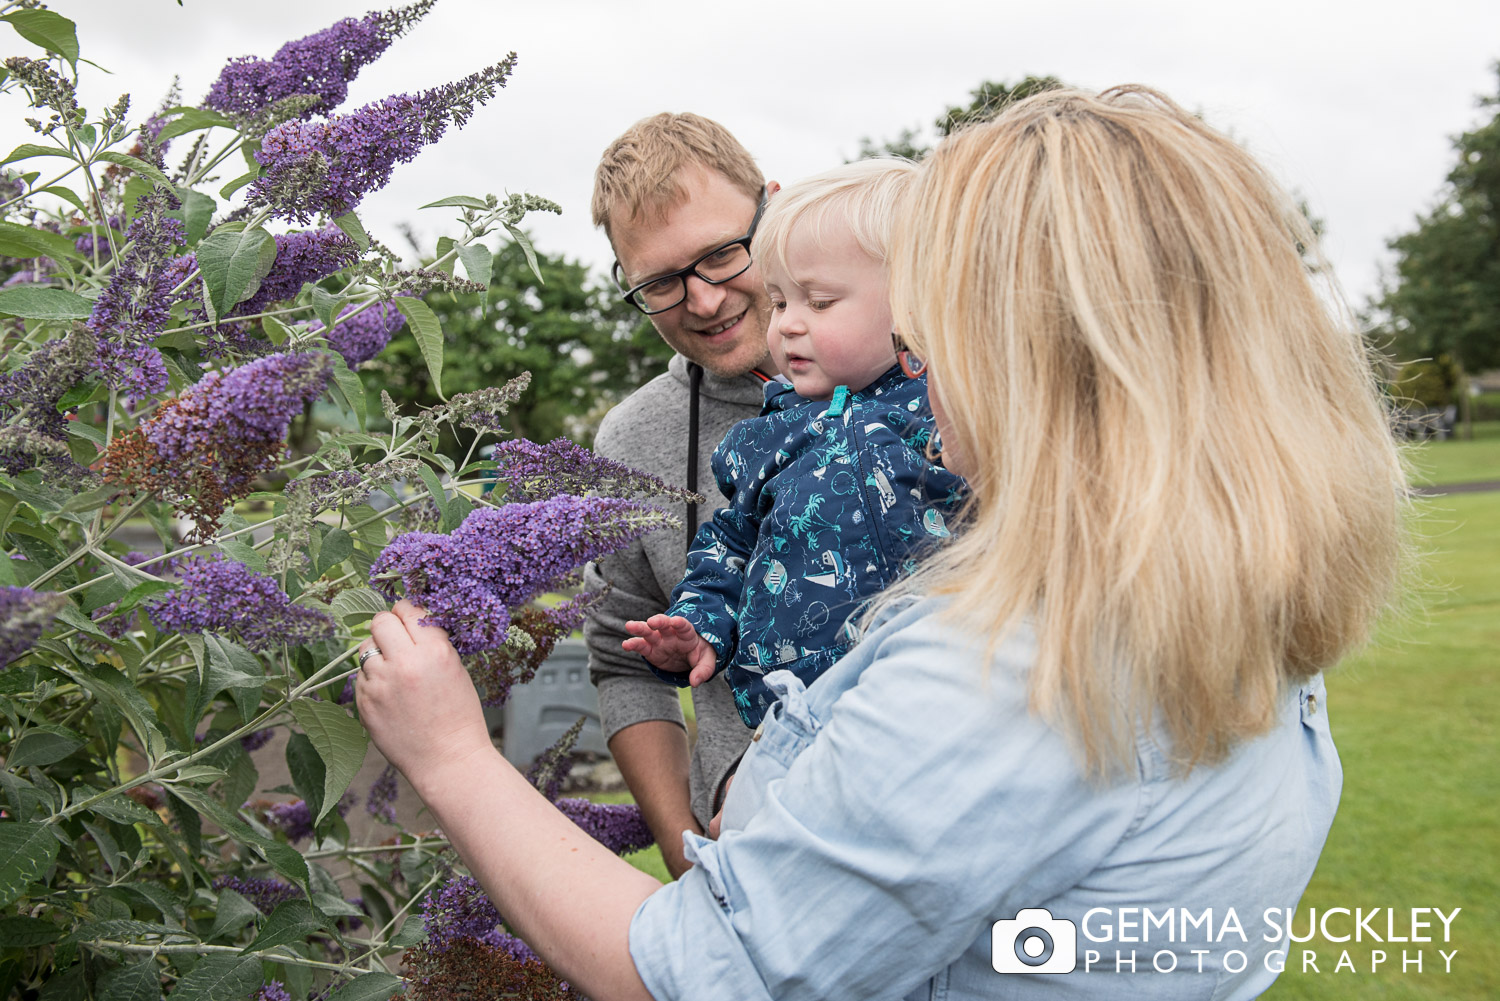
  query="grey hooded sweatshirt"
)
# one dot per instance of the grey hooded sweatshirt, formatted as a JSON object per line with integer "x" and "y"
{"x": 648, "y": 430}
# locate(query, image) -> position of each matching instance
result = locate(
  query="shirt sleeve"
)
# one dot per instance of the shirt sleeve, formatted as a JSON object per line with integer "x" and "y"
{"x": 709, "y": 594}
{"x": 887, "y": 838}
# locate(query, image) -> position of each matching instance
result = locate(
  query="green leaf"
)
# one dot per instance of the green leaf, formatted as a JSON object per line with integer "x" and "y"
{"x": 276, "y": 332}
{"x": 306, "y": 769}
{"x": 44, "y": 744}
{"x": 197, "y": 211}
{"x": 66, "y": 194}
{"x": 191, "y": 120}
{"x": 461, "y": 201}
{"x": 197, "y": 774}
{"x": 26, "y": 852}
{"x": 86, "y": 136}
{"x": 291, "y": 921}
{"x": 233, "y": 667}
{"x": 429, "y": 334}
{"x": 412, "y": 931}
{"x": 340, "y": 741}
{"x": 358, "y": 604}
{"x": 52, "y": 32}
{"x": 478, "y": 264}
{"x": 217, "y": 977}
{"x": 136, "y": 164}
{"x": 232, "y": 913}
{"x": 139, "y": 981}
{"x": 26, "y": 151}
{"x": 45, "y": 304}
{"x": 242, "y": 780}
{"x": 65, "y": 985}
{"x": 337, "y": 547}
{"x": 124, "y": 810}
{"x": 28, "y": 241}
{"x": 350, "y": 224}
{"x": 108, "y": 684}
{"x": 284, "y": 858}
{"x": 326, "y": 305}
{"x": 435, "y": 488}
{"x": 228, "y": 190}
{"x": 78, "y": 395}
{"x": 368, "y": 987}
{"x": 353, "y": 390}
{"x": 140, "y": 593}
{"x": 21, "y": 932}
{"x": 234, "y": 264}
{"x": 459, "y": 508}
{"x": 525, "y": 244}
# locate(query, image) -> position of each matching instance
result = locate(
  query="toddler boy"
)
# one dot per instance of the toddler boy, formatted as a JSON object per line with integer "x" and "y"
{"x": 831, "y": 493}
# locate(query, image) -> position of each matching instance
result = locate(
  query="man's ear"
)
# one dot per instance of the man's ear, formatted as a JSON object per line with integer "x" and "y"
{"x": 772, "y": 187}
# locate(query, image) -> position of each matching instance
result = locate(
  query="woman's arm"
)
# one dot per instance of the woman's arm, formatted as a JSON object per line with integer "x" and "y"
{"x": 568, "y": 897}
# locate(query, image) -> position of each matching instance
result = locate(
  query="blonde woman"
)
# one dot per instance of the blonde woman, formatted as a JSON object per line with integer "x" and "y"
{"x": 1102, "y": 699}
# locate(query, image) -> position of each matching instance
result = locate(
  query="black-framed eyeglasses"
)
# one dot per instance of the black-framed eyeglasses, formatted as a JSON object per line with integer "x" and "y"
{"x": 726, "y": 261}
{"x": 911, "y": 365}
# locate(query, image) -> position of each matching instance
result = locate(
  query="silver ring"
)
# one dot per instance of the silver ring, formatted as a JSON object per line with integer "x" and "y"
{"x": 374, "y": 651}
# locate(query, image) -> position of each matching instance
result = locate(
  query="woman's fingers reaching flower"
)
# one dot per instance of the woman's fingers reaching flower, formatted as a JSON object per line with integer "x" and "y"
{"x": 416, "y": 699}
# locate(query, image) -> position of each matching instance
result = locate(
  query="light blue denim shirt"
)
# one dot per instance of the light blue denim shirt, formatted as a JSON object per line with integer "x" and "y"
{"x": 884, "y": 819}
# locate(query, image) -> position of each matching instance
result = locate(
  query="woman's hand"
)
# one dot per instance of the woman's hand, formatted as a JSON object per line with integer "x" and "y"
{"x": 415, "y": 697}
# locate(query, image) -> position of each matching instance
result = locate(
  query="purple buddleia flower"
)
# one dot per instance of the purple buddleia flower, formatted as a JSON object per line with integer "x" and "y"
{"x": 326, "y": 167}
{"x": 494, "y": 672}
{"x": 24, "y": 615}
{"x": 620, "y": 827}
{"x": 133, "y": 308}
{"x": 265, "y": 894}
{"x": 204, "y": 448}
{"x": 459, "y": 909}
{"x": 550, "y": 769}
{"x": 274, "y": 991}
{"x": 217, "y": 594}
{"x": 503, "y": 557}
{"x": 256, "y": 739}
{"x": 360, "y": 336}
{"x": 530, "y": 472}
{"x": 320, "y": 64}
{"x": 29, "y": 398}
{"x": 295, "y": 819}
{"x": 300, "y": 258}
{"x": 381, "y": 803}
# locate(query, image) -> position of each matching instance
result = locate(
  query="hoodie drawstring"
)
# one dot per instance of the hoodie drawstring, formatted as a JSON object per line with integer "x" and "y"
{"x": 695, "y": 379}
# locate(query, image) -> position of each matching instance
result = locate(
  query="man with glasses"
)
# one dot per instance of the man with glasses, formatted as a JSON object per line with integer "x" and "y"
{"x": 679, "y": 199}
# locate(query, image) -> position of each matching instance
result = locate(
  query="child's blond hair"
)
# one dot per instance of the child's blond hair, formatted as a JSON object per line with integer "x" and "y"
{"x": 860, "y": 197}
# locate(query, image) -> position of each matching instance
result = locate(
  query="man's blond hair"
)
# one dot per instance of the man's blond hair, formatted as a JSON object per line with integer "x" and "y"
{"x": 640, "y": 172}
{"x": 1182, "y": 470}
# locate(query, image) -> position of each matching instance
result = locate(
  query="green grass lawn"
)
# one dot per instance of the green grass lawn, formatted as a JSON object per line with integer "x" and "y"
{"x": 1459, "y": 461}
{"x": 1417, "y": 721}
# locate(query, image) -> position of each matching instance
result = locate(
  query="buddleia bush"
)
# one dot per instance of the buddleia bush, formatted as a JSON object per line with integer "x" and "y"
{"x": 179, "y": 288}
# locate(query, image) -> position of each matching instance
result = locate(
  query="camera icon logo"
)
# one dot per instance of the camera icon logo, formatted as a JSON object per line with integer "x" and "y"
{"x": 1034, "y": 942}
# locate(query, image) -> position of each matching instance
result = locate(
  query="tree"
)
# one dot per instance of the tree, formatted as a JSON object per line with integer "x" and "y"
{"x": 986, "y": 101}
{"x": 1443, "y": 299}
{"x": 584, "y": 347}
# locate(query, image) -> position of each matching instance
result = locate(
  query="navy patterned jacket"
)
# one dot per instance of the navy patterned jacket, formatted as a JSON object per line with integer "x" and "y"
{"x": 829, "y": 502}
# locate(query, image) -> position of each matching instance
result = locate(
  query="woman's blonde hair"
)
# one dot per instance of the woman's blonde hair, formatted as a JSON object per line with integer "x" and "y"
{"x": 859, "y": 198}
{"x": 1182, "y": 471}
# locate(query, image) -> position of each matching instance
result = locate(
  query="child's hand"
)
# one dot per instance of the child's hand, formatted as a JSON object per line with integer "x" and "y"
{"x": 672, "y": 644}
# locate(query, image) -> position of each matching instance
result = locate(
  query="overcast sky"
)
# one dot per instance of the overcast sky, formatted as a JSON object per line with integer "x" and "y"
{"x": 1351, "y": 104}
